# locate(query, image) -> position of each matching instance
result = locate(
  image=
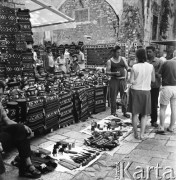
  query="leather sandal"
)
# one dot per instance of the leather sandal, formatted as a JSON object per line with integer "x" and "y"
{"x": 30, "y": 172}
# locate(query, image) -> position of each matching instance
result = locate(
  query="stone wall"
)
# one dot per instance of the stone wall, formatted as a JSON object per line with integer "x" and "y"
{"x": 100, "y": 28}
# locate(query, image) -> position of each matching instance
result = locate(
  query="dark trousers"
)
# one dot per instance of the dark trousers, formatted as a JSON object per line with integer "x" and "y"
{"x": 116, "y": 86}
{"x": 154, "y": 105}
{"x": 15, "y": 136}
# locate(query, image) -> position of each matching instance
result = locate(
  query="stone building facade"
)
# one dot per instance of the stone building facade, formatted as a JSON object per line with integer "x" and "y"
{"x": 96, "y": 22}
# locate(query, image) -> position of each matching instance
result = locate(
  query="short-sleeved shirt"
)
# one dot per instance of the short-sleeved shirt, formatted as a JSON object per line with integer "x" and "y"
{"x": 168, "y": 73}
{"x": 142, "y": 76}
{"x": 157, "y": 63}
{"x": 81, "y": 60}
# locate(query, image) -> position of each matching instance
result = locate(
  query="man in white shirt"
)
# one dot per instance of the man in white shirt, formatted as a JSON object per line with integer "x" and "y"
{"x": 81, "y": 60}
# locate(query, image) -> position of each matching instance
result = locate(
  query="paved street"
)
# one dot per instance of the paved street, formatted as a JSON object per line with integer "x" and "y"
{"x": 138, "y": 155}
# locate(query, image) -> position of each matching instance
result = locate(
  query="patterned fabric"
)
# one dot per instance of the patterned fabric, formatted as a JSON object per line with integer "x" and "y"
{"x": 2, "y": 70}
{"x": 20, "y": 41}
{"x": 3, "y": 43}
{"x": 10, "y": 42}
{"x": 8, "y": 17}
{"x": 51, "y": 109}
{"x": 27, "y": 66}
{"x": 28, "y": 73}
{"x": 35, "y": 116}
{"x": 66, "y": 109}
{"x": 27, "y": 57}
{"x": 80, "y": 104}
{"x": 13, "y": 28}
{"x": 12, "y": 70}
{"x": 100, "y": 103}
{"x": 91, "y": 99}
{"x": 25, "y": 26}
{"x": 6, "y": 10}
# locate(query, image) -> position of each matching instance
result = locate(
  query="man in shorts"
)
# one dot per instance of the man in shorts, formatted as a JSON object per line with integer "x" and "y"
{"x": 168, "y": 93}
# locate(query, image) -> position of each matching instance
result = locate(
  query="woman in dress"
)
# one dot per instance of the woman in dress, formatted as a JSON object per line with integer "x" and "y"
{"x": 142, "y": 74}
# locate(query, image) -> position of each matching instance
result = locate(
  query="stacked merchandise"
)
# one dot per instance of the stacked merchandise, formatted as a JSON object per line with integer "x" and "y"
{"x": 51, "y": 109}
{"x": 2, "y": 61}
{"x": 25, "y": 24}
{"x": 66, "y": 108}
{"x": 100, "y": 100}
{"x": 35, "y": 116}
{"x": 25, "y": 35}
{"x": 8, "y": 29}
{"x": 27, "y": 60}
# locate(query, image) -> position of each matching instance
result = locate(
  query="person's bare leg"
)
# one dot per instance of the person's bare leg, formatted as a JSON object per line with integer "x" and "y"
{"x": 143, "y": 124}
{"x": 162, "y": 115}
{"x": 29, "y": 163}
{"x": 134, "y": 123}
{"x": 173, "y": 115}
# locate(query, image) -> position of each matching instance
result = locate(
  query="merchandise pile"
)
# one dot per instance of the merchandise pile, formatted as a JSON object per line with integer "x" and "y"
{"x": 107, "y": 133}
{"x": 15, "y": 34}
{"x": 55, "y": 101}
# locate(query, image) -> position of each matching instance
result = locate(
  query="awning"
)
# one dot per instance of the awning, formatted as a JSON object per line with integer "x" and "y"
{"x": 168, "y": 42}
{"x": 45, "y": 15}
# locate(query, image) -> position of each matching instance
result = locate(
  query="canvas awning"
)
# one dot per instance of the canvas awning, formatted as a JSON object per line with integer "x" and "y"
{"x": 44, "y": 16}
{"x": 167, "y": 42}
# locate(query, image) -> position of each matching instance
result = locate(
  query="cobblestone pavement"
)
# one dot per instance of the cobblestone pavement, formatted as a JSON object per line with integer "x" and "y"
{"x": 135, "y": 155}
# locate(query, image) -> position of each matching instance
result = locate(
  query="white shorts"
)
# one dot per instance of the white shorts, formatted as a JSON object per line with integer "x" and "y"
{"x": 168, "y": 95}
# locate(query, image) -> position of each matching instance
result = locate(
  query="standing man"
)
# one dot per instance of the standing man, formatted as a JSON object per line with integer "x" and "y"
{"x": 116, "y": 68}
{"x": 168, "y": 93}
{"x": 155, "y": 86}
{"x": 81, "y": 60}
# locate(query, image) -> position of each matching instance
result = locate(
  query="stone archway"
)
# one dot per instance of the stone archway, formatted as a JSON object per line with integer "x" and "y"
{"x": 116, "y": 5}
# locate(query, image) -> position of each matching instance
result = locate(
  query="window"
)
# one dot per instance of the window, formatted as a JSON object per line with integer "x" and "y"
{"x": 82, "y": 15}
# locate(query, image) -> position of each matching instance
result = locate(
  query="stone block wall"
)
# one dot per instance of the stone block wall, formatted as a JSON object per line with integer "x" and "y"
{"x": 100, "y": 26}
